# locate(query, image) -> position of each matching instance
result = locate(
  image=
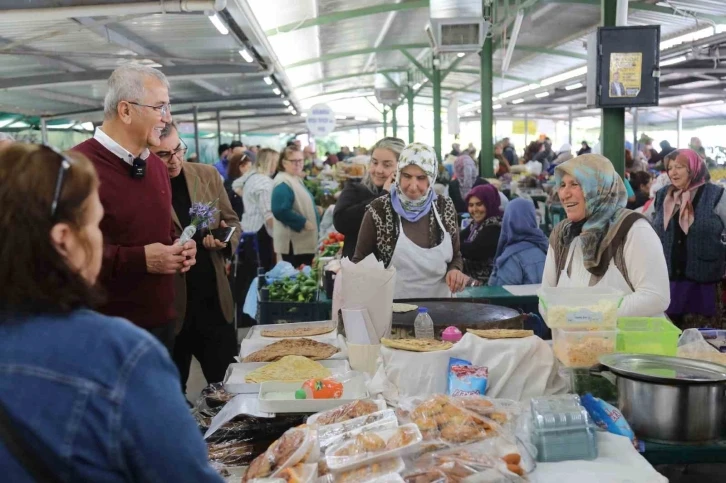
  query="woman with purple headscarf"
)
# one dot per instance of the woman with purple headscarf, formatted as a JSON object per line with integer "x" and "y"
{"x": 522, "y": 247}
{"x": 479, "y": 240}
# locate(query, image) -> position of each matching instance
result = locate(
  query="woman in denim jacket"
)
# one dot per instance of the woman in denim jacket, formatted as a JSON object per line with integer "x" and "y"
{"x": 91, "y": 398}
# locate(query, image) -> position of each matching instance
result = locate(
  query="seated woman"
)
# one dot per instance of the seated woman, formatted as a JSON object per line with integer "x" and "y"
{"x": 603, "y": 244}
{"x": 413, "y": 230}
{"x": 522, "y": 247}
{"x": 467, "y": 177}
{"x": 640, "y": 181}
{"x": 689, "y": 217}
{"x": 351, "y": 206}
{"x": 86, "y": 397}
{"x": 480, "y": 238}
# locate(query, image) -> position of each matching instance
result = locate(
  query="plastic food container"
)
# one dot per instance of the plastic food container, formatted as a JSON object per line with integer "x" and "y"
{"x": 451, "y": 334}
{"x": 338, "y": 462}
{"x": 643, "y": 335}
{"x": 562, "y": 430}
{"x": 580, "y": 308}
{"x": 715, "y": 337}
{"x": 583, "y": 348}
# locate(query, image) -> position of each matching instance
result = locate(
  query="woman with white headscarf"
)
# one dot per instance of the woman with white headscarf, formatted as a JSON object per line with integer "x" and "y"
{"x": 414, "y": 230}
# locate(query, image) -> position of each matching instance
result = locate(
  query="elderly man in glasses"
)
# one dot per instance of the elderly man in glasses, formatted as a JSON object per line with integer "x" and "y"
{"x": 140, "y": 251}
{"x": 204, "y": 303}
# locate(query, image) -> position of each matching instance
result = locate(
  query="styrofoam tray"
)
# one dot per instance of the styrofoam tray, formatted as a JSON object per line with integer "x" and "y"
{"x": 249, "y": 346}
{"x": 255, "y": 331}
{"x": 234, "y": 379}
{"x": 279, "y": 397}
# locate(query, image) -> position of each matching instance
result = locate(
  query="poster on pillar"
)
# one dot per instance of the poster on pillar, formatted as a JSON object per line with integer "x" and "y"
{"x": 320, "y": 120}
{"x": 453, "y": 116}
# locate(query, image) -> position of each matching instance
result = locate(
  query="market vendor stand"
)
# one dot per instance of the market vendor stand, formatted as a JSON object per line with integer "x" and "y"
{"x": 678, "y": 454}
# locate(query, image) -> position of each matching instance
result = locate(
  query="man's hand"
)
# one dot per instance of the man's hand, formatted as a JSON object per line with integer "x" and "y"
{"x": 456, "y": 281}
{"x": 211, "y": 243}
{"x": 164, "y": 260}
{"x": 190, "y": 255}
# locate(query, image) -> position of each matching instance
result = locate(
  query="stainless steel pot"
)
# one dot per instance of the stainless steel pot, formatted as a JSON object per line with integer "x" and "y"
{"x": 669, "y": 399}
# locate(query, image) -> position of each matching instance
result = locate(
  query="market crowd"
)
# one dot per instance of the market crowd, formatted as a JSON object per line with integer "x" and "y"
{"x": 105, "y": 302}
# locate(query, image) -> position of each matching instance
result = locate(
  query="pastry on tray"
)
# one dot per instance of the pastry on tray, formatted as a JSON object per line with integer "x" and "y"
{"x": 501, "y": 333}
{"x": 417, "y": 345}
{"x": 289, "y": 369}
{"x": 297, "y": 331}
{"x": 293, "y": 347}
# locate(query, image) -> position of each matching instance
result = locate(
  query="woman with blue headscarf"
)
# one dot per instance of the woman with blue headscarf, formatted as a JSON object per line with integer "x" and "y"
{"x": 522, "y": 247}
{"x": 414, "y": 230}
{"x": 603, "y": 244}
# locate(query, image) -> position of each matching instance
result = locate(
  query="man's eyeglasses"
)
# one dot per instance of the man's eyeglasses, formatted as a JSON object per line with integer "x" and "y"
{"x": 181, "y": 149}
{"x": 65, "y": 165}
{"x": 163, "y": 109}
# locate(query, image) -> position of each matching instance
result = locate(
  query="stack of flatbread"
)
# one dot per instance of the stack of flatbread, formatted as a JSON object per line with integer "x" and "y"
{"x": 293, "y": 347}
{"x": 417, "y": 345}
{"x": 297, "y": 331}
{"x": 501, "y": 333}
{"x": 289, "y": 369}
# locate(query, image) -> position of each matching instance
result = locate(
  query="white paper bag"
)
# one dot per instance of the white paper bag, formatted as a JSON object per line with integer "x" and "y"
{"x": 367, "y": 285}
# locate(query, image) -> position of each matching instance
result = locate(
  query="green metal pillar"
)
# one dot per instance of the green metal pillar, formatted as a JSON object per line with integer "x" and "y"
{"x": 394, "y": 120}
{"x": 612, "y": 137}
{"x": 486, "y": 167}
{"x": 436, "y": 84}
{"x": 385, "y": 122}
{"x": 409, "y": 99}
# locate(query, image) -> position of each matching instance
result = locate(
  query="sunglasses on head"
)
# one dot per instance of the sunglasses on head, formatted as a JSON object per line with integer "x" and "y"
{"x": 65, "y": 165}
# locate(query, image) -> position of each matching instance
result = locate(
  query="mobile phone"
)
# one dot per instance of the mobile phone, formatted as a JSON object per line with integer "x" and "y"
{"x": 223, "y": 234}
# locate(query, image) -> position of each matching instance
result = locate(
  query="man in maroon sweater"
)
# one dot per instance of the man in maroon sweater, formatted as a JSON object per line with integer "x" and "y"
{"x": 140, "y": 256}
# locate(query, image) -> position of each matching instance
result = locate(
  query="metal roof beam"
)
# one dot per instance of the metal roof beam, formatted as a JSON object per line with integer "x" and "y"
{"x": 346, "y": 15}
{"x": 47, "y": 58}
{"x": 178, "y": 72}
{"x": 646, "y": 7}
{"x": 428, "y": 73}
{"x": 68, "y": 98}
{"x": 351, "y": 53}
{"x": 547, "y": 51}
{"x": 347, "y": 76}
{"x": 251, "y": 107}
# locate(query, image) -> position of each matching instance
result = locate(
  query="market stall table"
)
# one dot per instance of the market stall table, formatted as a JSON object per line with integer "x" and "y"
{"x": 678, "y": 454}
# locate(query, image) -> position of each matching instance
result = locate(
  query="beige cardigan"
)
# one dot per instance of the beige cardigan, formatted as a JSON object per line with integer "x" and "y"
{"x": 305, "y": 241}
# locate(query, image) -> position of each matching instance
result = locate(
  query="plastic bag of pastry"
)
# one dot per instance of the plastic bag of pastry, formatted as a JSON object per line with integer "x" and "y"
{"x": 347, "y": 412}
{"x": 336, "y": 433}
{"x": 297, "y": 445}
{"x": 301, "y": 473}
{"x": 693, "y": 345}
{"x": 381, "y": 472}
{"x": 231, "y": 453}
{"x": 442, "y": 420}
{"x": 501, "y": 411}
{"x": 495, "y": 453}
{"x": 373, "y": 446}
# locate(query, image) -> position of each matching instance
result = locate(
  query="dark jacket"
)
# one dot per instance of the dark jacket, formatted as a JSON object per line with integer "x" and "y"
{"x": 234, "y": 198}
{"x": 479, "y": 254}
{"x": 699, "y": 256}
{"x": 455, "y": 194}
{"x": 349, "y": 211}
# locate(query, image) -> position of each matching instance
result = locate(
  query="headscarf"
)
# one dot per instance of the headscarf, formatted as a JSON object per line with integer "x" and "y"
{"x": 424, "y": 157}
{"x": 466, "y": 173}
{"x": 519, "y": 231}
{"x": 605, "y": 199}
{"x": 697, "y": 177}
{"x": 489, "y": 195}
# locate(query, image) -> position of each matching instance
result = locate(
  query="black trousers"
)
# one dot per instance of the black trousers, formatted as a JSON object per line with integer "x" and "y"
{"x": 207, "y": 336}
{"x": 297, "y": 260}
{"x": 165, "y": 334}
{"x": 247, "y": 270}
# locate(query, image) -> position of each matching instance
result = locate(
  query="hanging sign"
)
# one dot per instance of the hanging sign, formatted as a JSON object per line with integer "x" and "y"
{"x": 320, "y": 120}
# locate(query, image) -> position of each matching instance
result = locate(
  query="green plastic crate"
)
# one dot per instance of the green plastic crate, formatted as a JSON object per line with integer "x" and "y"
{"x": 646, "y": 335}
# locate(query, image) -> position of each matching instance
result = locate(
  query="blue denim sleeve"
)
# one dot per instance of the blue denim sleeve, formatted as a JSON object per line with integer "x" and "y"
{"x": 282, "y": 200}
{"x": 509, "y": 274}
{"x": 160, "y": 440}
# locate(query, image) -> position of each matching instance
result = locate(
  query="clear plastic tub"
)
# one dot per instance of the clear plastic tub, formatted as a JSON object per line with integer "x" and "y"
{"x": 563, "y": 430}
{"x": 395, "y": 442}
{"x": 644, "y": 335}
{"x": 581, "y": 308}
{"x": 583, "y": 348}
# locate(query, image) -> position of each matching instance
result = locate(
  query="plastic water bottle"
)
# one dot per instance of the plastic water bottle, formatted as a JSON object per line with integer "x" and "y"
{"x": 423, "y": 326}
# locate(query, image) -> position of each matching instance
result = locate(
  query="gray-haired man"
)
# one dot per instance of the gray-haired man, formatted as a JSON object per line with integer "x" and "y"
{"x": 140, "y": 257}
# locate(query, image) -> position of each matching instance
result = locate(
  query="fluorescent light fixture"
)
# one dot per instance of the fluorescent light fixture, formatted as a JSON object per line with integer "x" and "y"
{"x": 460, "y": 54}
{"x": 540, "y": 95}
{"x": 682, "y": 39}
{"x": 246, "y": 55}
{"x": 674, "y": 60}
{"x": 290, "y": 108}
{"x": 416, "y": 86}
{"x": 360, "y": 118}
{"x": 518, "y": 90}
{"x": 304, "y": 114}
{"x": 88, "y": 126}
{"x": 341, "y": 118}
{"x": 294, "y": 112}
{"x": 565, "y": 76}
{"x": 496, "y": 106}
{"x": 276, "y": 91}
{"x": 267, "y": 80}
{"x": 572, "y": 87}
{"x": 512, "y": 40}
{"x": 19, "y": 124}
{"x": 518, "y": 101}
{"x": 217, "y": 22}
{"x": 704, "y": 104}
{"x": 286, "y": 102}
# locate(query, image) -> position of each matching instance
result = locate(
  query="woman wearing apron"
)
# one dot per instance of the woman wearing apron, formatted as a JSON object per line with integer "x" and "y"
{"x": 603, "y": 244}
{"x": 415, "y": 231}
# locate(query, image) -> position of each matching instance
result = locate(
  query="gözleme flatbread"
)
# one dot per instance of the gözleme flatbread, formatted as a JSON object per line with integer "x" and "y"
{"x": 417, "y": 345}
{"x": 403, "y": 308}
{"x": 289, "y": 369}
{"x": 292, "y": 347}
{"x": 501, "y": 333}
{"x": 297, "y": 331}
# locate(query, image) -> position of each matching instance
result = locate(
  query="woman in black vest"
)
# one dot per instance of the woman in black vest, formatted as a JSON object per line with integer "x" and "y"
{"x": 689, "y": 217}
